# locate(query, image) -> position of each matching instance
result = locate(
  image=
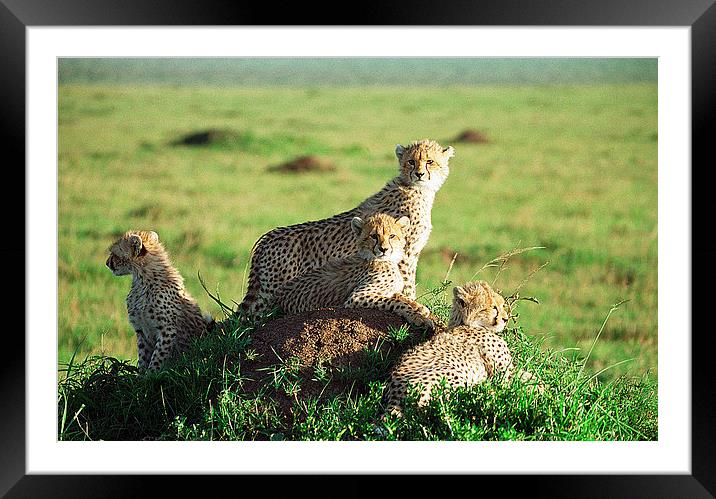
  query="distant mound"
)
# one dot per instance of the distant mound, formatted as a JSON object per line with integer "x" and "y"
{"x": 447, "y": 253}
{"x": 472, "y": 136}
{"x": 304, "y": 164}
{"x": 208, "y": 137}
{"x": 336, "y": 339}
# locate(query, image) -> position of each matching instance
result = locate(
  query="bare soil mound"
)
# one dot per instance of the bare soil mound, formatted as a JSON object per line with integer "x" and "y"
{"x": 304, "y": 164}
{"x": 207, "y": 138}
{"x": 472, "y": 136}
{"x": 332, "y": 341}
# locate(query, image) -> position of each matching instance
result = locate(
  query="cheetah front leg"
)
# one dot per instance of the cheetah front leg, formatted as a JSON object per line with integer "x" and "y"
{"x": 408, "y": 270}
{"x": 163, "y": 348}
{"x": 398, "y": 388}
{"x": 410, "y": 310}
{"x": 498, "y": 358}
{"x": 144, "y": 351}
{"x": 496, "y": 355}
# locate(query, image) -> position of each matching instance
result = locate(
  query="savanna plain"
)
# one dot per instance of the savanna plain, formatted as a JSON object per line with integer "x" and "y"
{"x": 566, "y": 179}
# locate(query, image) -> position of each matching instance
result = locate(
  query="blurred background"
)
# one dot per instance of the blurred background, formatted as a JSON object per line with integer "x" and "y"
{"x": 211, "y": 153}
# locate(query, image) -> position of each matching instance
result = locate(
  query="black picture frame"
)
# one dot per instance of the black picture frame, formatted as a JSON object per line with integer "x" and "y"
{"x": 699, "y": 15}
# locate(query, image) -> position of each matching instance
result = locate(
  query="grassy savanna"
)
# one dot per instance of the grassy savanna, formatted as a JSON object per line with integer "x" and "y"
{"x": 572, "y": 169}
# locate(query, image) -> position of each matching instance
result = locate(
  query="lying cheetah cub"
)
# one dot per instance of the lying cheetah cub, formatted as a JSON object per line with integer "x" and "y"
{"x": 370, "y": 278}
{"x": 466, "y": 353}
{"x": 161, "y": 311}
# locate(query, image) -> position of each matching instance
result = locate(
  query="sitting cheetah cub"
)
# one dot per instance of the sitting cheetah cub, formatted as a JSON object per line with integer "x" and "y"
{"x": 286, "y": 252}
{"x": 161, "y": 311}
{"x": 466, "y": 353}
{"x": 370, "y": 278}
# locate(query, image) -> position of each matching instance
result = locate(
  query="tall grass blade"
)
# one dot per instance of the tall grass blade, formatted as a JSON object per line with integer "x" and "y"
{"x": 501, "y": 260}
{"x": 225, "y": 308}
{"x": 611, "y": 310}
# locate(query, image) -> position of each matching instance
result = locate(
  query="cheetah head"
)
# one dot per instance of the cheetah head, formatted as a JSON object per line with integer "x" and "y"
{"x": 476, "y": 304}
{"x": 130, "y": 251}
{"x": 424, "y": 163}
{"x": 380, "y": 237}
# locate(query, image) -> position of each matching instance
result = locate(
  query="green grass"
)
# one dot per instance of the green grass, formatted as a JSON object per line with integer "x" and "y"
{"x": 569, "y": 168}
{"x": 202, "y": 396}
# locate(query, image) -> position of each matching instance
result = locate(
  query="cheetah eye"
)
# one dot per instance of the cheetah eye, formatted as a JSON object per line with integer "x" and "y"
{"x": 374, "y": 237}
{"x": 430, "y": 161}
{"x": 392, "y": 236}
{"x": 411, "y": 162}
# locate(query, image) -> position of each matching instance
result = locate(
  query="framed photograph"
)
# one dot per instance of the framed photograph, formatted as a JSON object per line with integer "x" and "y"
{"x": 573, "y": 132}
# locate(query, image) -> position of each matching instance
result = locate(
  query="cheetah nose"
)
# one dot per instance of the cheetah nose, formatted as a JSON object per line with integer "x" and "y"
{"x": 419, "y": 175}
{"x": 383, "y": 250}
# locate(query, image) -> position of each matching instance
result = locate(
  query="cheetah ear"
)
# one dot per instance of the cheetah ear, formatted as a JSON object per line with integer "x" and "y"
{"x": 135, "y": 243}
{"x": 357, "y": 224}
{"x": 403, "y": 222}
{"x": 153, "y": 237}
{"x": 459, "y": 293}
{"x": 449, "y": 152}
{"x": 399, "y": 150}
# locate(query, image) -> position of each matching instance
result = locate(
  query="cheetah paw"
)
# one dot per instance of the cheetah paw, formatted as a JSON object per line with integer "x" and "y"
{"x": 425, "y": 322}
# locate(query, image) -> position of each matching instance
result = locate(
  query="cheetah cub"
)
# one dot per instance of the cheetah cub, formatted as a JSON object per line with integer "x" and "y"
{"x": 466, "y": 353}
{"x": 370, "y": 278}
{"x": 286, "y": 252}
{"x": 161, "y": 310}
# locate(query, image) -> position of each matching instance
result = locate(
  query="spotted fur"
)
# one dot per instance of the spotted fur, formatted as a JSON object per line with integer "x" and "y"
{"x": 162, "y": 312}
{"x": 370, "y": 278}
{"x": 286, "y": 252}
{"x": 466, "y": 353}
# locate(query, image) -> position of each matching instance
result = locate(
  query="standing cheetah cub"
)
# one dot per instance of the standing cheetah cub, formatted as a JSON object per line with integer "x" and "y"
{"x": 465, "y": 354}
{"x": 370, "y": 278}
{"x": 161, "y": 311}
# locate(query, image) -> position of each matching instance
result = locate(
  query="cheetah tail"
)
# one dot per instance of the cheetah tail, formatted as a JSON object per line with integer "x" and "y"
{"x": 254, "y": 284}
